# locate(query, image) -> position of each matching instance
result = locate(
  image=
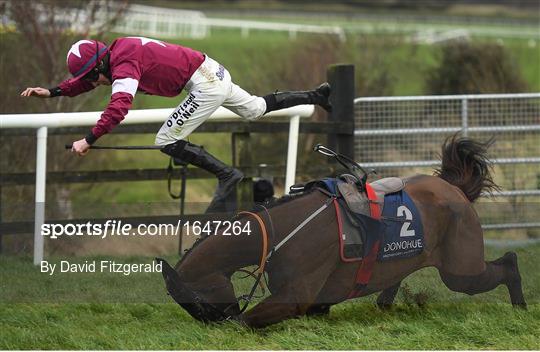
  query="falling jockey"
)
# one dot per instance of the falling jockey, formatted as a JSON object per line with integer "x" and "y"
{"x": 149, "y": 66}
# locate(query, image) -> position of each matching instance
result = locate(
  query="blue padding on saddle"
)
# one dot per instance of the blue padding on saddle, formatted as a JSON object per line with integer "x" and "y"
{"x": 403, "y": 231}
{"x": 330, "y": 184}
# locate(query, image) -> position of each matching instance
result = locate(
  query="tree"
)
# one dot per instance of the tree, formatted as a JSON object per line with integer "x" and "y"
{"x": 35, "y": 42}
{"x": 471, "y": 68}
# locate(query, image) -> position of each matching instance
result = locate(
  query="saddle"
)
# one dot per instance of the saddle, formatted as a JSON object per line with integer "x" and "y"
{"x": 358, "y": 201}
{"x": 386, "y": 186}
{"x": 348, "y": 187}
{"x": 359, "y": 207}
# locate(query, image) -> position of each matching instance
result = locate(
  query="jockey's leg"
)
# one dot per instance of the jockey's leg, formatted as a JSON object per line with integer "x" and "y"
{"x": 252, "y": 107}
{"x": 207, "y": 89}
{"x": 281, "y": 100}
{"x": 228, "y": 177}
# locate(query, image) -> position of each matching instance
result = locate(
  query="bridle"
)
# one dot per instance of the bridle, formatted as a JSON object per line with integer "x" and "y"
{"x": 209, "y": 307}
{"x": 265, "y": 255}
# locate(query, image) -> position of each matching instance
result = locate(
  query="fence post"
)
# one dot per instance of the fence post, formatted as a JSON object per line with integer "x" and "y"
{"x": 292, "y": 152}
{"x": 341, "y": 78}
{"x": 242, "y": 159}
{"x": 41, "y": 173}
{"x": 0, "y": 218}
{"x": 465, "y": 117}
{"x": 183, "y": 180}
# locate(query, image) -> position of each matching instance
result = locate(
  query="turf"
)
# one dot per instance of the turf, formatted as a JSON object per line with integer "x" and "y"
{"x": 113, "y": 311}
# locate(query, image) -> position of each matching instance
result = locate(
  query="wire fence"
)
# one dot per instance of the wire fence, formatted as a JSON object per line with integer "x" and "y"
{"x": 403, "y": 135}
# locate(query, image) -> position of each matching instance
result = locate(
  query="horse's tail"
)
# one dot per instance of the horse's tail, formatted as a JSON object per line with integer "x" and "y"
{"x": 465, "y": 165}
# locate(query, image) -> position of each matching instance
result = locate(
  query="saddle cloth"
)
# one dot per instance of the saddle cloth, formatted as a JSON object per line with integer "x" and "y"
{"x": 403, "y": 234}
{"x": 399, "y": 230}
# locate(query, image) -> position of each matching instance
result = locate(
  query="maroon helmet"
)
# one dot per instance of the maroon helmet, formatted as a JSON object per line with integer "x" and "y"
{"x": 84, "y": 56}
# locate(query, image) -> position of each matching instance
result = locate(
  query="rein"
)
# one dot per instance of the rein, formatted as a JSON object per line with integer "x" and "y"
{"x": 262, "y": 265}
{"x": 264, "y": 238}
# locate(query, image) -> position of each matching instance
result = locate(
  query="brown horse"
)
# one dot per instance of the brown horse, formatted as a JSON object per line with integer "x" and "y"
{"x": 307, "y": 275}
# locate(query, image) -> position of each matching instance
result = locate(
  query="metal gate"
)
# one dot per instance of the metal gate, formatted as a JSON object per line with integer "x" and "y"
{"x": 403, "y": 136}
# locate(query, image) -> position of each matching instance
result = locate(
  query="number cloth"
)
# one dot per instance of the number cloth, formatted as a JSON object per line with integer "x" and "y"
{"x": 403, "y": 234}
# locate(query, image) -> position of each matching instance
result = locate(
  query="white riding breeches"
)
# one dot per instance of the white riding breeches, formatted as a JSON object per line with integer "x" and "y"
{"x": 208, "y": 88}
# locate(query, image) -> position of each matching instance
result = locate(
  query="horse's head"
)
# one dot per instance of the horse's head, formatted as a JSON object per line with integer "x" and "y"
{"x": 201, "y": 281}
{"x": 208, "y": 299}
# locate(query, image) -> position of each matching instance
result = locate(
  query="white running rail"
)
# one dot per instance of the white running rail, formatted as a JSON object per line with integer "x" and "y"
{"x": 54, "y": 120}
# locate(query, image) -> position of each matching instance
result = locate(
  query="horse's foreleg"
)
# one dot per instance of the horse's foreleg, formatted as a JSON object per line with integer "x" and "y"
{"x": 285, "y": 304}
{"x": 387, "y": 296}
{"x": 294, "y": 299}
{"x": 501, "y": 271}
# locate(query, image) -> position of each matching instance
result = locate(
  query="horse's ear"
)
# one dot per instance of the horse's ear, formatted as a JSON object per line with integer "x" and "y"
{"x": 161, "y": 261}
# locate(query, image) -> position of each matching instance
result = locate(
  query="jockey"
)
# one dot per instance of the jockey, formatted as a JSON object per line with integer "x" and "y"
{"x": 149, "y": 66}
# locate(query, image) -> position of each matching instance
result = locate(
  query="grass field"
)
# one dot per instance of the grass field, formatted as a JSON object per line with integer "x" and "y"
{"x": 113, "y": 311}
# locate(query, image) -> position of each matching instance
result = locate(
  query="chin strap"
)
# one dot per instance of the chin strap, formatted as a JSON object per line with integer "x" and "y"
{"x": 104, "y": 67}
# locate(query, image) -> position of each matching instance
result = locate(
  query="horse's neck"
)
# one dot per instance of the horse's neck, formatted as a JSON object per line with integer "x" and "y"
{"x": 287, "y": 216}
{"x": 226, "y": 254}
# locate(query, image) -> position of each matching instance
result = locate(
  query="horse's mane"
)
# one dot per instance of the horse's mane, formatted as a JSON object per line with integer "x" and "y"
{"x": 257, "y": 208}
{"x": 284, "y": 199}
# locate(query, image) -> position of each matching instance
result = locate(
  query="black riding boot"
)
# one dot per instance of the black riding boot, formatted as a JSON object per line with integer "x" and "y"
{"x": 281, "y": 100}
{"x": 228, "y": 177}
